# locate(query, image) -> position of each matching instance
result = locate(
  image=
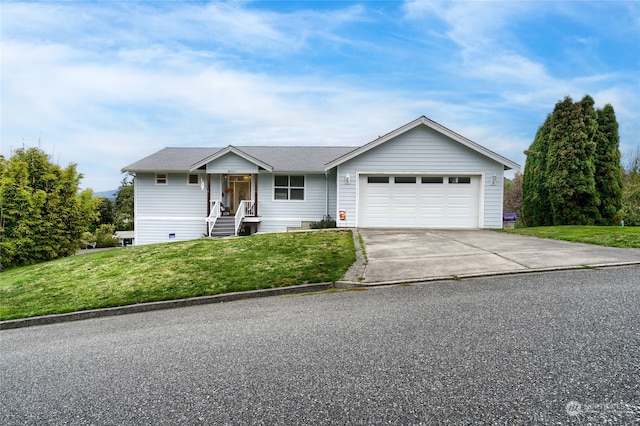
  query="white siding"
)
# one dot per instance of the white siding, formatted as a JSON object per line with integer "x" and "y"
{"x": 230, "y": 163}
{"x": 423, "y": 151}
{"x": 277, "y": 215}
{"x": 171, "y": 212}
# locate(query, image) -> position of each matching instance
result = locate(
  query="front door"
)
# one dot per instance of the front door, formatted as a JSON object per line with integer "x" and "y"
{"x": 240, "y": 190}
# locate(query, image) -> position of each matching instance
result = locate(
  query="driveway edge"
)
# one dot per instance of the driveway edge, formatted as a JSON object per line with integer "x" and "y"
{"x": 345, "y": 284}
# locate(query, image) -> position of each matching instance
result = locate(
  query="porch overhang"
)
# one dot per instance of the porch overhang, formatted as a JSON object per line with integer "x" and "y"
{"x": 231, "y": 149}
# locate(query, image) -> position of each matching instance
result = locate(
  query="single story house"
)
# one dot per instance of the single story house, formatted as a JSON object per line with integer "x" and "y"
{"x": 421, "y": 175}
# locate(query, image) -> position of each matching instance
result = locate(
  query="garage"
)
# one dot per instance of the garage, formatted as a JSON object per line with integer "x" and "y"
{"x": 422, "y": 201}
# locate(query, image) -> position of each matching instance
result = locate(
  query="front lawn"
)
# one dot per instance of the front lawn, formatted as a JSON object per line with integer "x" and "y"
{"x": 177, "y": 270}
{"x": 611, "y": 236}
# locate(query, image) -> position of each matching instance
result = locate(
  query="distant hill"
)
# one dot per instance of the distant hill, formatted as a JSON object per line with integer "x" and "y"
{"x": 111, "y": 195}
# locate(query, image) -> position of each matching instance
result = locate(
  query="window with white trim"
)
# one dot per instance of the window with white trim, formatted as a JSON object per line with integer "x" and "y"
{"x": 404, "y": 179}
{"x": 377, "y": 179}
{"x": 288, "y": 187}
{"x": 460, "y": 179}
{"x": 193, "y": 179}
{"x": 432, "y": 179}
{"x": 162, "y": 179}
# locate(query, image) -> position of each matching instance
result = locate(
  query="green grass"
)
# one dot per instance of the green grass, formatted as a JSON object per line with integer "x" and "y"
{"x": 173, "y": 271}
{"x": 611, "y": 236}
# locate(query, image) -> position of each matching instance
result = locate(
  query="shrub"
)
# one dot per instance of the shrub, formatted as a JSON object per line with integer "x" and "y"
{"x": 104, "y": 236}
{"x": 324, "y": 223}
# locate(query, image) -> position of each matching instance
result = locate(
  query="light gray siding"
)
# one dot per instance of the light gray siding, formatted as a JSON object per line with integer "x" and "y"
{"x": 230, "y": 163}
{"x": 277, "y": 215}
{"x": 171, "y": 212}
{"x": 151, "y": 231}
{"x": 333, "y": 192}
{"x": 422, "y": 150}
{"x": 216, "y": 188}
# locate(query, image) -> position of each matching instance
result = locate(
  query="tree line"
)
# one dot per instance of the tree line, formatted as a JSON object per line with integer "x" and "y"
{"x": 44, "y": 213}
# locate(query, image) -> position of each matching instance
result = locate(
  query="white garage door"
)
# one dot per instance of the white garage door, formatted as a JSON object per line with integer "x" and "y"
{"x": 419, "y": 201}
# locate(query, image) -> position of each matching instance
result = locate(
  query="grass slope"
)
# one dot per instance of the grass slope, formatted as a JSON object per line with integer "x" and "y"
{"x": 173, "y": 271}
{"x": 611, "y": 236}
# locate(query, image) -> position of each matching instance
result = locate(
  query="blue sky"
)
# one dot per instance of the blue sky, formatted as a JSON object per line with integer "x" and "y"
{"x": 103, "y": 84}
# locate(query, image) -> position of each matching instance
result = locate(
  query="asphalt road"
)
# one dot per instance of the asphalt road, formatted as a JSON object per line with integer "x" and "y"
{"x": 550, "y": 348}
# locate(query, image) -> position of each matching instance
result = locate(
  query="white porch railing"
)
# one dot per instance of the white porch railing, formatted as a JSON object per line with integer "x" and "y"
{"x": 245, "y": 208}
{"x": 214, "y": 214}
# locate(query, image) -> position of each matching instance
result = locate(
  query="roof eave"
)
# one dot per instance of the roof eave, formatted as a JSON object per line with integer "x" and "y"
{"x": 379, "y": 141}
{"x": 508, "y": 164}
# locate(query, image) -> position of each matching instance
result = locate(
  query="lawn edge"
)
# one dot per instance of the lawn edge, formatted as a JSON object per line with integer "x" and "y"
{"x": 165, "y": 304}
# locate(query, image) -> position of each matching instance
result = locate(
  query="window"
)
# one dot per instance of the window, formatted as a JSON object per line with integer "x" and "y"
{"x": 378, "y": 179}
{"x": 193, "y": 179}
{"x": 162, "y": 179}
{"x": 463, "y": 179}
{"x": 432, "y": 179}
{"x": 405, "y": 179}
{"x": 288, "y": 188}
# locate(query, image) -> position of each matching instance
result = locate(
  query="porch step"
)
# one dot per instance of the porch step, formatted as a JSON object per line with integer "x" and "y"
{"x": 224, "y": 227}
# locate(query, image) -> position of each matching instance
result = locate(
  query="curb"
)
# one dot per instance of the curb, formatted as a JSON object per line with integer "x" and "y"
{"x": 280, "y": 291}
{"x": 345, "y": 284}
{"x": 166, "y": 304}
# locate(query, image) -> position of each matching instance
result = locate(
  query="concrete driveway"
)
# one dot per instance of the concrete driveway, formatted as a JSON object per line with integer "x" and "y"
{"x": 410, "y": 255}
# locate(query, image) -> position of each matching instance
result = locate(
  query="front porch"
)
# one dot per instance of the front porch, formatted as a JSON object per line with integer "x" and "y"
{"x": 231, "y": 203}
{"x": 221, "y": 223}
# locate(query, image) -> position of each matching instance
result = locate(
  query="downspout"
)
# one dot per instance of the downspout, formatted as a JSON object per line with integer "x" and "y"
{"x": 135, "y": 208}
{"x": 208, "y": 201}
{"x": 326, "y": 194}
{"x": 255, "y": 199}
{"x": 208, "y": 194}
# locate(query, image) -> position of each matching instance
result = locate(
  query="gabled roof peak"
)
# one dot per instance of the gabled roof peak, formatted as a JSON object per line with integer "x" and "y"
{"x": 423, "y": 120}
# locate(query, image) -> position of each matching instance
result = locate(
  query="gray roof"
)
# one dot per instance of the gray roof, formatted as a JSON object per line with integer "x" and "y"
{"x": 171, "y": 160}
{"x": 296, "y": 158}
{"x": 280, "y": 158}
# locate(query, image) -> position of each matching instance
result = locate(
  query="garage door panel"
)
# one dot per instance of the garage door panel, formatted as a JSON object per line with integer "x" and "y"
{"x": 436, "y": 205}
{"x": 433, "y": 210}
{"x": 404, "y": 190}
{"x": 454, "y": 202}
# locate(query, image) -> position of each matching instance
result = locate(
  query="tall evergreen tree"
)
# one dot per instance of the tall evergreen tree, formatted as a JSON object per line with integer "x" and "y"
{"x": 106, "y": 214}
{"x": 536, "y": 209}
{"x": 608, "y": 173}
{"x": 124, "y": 205}
{"x": 570, "y": 165}
{"x": 572, "y": 174}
